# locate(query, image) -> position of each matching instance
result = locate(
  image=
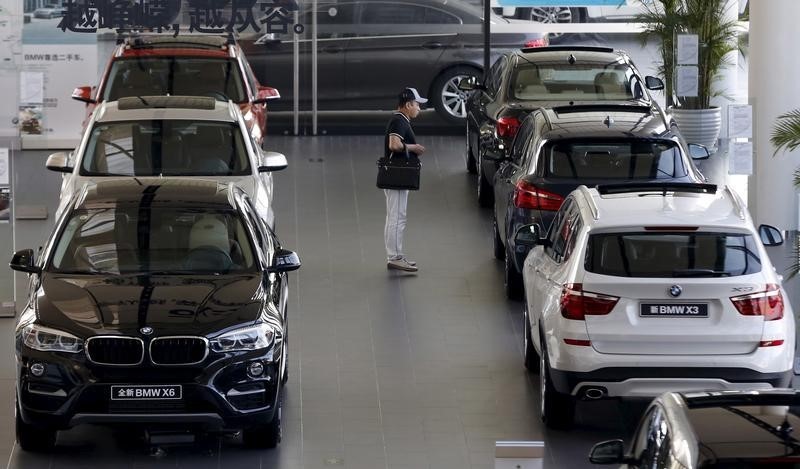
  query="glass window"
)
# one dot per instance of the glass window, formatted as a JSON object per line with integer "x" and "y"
{"x": 495, "y": 75}
{"x": 622, "y": 159}
{"x": 435, "y": 16}
{"x": 392, "y": 13}
{"x": 554, "y": 234}
{"x": 184, "y": 76}
{"x": 521, "y": 140}
{"x": 166, "y": 148}
{"x": 169, "y": 240}
{"x": 562, "y": 81}
{"x": 668, "y": 255}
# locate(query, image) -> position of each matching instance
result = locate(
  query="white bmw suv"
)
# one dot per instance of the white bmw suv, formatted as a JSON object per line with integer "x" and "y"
{"x": 642, "y": 289}
{"x": 170, "y": 136}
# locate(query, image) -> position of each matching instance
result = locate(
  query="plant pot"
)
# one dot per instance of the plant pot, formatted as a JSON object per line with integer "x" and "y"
{"x": 699, "y": 125}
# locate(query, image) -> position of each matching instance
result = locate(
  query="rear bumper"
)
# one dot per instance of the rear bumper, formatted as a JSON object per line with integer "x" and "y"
{"x": 650, "y": 382}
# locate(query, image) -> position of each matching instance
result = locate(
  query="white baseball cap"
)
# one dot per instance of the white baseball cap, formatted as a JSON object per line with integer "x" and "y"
{"x": 411, "y": 94}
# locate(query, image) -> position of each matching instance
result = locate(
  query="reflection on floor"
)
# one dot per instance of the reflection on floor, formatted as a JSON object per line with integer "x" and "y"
{"x": 387, "y": 370}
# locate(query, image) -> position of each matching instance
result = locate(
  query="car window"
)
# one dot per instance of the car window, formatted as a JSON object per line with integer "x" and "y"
{"x": 672, "y": 254}
{"x": 436, "y": 16}
{"x": 521, "y": 140}
{"x": 185, "y": 76}
{"x": 562, "y": 81}
{"x": 334, "y": 14}
{"x": 495, "y": 75}
{"x": 392, "y": 13}
{"x": 564, "y": 239}
{"x": 136, "y": 239}
{"x": 554, "y": 235}
{"x": 619, "y": 159}
{"x": 166, "y": 148}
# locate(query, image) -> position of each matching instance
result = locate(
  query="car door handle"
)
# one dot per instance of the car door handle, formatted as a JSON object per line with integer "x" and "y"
{"x": 331, "y": 49}
{"x": 432, "y": 45}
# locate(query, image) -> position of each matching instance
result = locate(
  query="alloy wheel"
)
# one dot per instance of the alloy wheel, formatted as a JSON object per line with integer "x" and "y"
{"x": 551, "y": 15}
{"x": 454, "y": 99}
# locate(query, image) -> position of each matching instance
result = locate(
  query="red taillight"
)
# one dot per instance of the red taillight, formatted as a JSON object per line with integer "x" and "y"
{"x": 770, "y": 343}
{"x": 577, "y": 304}
{"x": 578, "y": 342}
{"x": 526, "y": 195}
{"x": 507, "y": 126}
{"x": 767, "y": 303}
{"x": 541, "y": 42}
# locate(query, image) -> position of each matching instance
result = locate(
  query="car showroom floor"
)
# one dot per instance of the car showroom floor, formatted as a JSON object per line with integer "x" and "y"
{"x": 387, "y": 370}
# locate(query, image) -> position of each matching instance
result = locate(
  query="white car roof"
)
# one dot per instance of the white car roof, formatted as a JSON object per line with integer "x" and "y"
{"x": 167, "y": 107}
{"x": 722, "y": 209}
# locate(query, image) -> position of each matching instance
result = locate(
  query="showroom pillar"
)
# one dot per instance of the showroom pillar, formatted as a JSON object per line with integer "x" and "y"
{"x": 773, "y": 74}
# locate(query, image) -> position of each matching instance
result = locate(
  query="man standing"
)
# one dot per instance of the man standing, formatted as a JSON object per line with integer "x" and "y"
{"x": 401, "y": 142}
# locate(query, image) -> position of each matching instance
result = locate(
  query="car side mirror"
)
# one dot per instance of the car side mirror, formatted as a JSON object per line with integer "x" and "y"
{"x": 698, "y": 152}
{"x": 529, "y": 236}
{"x": 284, "y": 261}
{"x": 468, "y": 84}
{"x": 272, "y": 161}
{"x": 770, "y": 235}
{"x": 59, "y": 162}
{"x": 266, "y": 93}
{"x": 84, "y": 94}
{"x": 23, "y": 261}
{"x": 653, "y": 83}
{"x": 608, "y": 452}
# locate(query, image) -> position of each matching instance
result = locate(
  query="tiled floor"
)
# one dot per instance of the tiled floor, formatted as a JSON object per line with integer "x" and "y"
{"x": 387, "y": 370}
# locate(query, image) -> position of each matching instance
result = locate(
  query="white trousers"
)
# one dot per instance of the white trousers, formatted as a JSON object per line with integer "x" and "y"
{"x": 396, "y": 202}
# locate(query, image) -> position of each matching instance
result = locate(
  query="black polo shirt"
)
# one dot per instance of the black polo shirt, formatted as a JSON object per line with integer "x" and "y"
{"x": 399, "y": 125}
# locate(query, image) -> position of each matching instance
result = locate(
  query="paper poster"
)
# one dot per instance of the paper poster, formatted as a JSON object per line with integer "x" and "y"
{"x": 740, "y": 121}
{"x": 31, "y": 88}
{"x": 4, "y": 178}
{"x": 741, "y": 158}
{"x": 687, "y": 49}
{"x": 686, "y": 78}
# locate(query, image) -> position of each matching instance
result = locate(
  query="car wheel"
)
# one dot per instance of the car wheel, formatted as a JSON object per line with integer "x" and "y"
{"x": 485, "y": 195}
{"x": 558, "y": 410}
{"x": 34, "y": 439}
{"x": 551, "y": 15}
{"x": 265, "y": 436}
{"x": 499, "y": 248}
{"x": 531, "y": 357}
{"x": 471, "y": 166}
{"x": 512, "y": 280}
{"x": 449, "y": 101}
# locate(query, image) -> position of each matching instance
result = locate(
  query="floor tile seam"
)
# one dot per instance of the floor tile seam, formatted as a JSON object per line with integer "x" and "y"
{"x": 299, "y": 348}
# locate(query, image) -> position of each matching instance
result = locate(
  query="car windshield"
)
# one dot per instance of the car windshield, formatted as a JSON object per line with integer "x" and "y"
{"x": 672, "y": 254}
{"x": 166, "y": 148}
{"x": 176, "y": 76}
{"x": 165, "y": 240}
{"x": 577, "y": 82}
{"x": 614, "y": 160}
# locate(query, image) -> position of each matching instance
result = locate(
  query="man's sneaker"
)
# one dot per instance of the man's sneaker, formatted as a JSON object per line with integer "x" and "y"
{"x": 401, "y": 264}
{"x": 410, "y": 262}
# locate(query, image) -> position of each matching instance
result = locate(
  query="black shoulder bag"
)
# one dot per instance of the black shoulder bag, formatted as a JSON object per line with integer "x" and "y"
{"x": 399, "y": 171}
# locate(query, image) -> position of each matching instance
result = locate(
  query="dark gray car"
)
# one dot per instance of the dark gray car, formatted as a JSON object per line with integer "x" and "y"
{"x": 369, "y": 50}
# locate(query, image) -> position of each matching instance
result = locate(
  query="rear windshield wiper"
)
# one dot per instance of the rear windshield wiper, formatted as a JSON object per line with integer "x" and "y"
{"x": 700, "y": 273}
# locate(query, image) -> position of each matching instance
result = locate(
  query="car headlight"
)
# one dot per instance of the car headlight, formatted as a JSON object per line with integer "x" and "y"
{"x": 248, "y": 338}
{"x": 50, "y": 340}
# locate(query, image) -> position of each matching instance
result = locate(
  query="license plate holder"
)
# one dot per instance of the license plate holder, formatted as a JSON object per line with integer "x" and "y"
{"x": 673, "y": 310}
{"x": 150, "y": 392}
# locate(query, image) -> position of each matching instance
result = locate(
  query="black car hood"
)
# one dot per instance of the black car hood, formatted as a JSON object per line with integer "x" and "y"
{"x": 171, "y": 305}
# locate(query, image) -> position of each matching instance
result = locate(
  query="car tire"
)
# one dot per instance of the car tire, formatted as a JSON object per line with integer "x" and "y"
{"x": 484, "y": 189}
{"x": 497, "y": 243}
{"x": 450, "y": 102}
{"x": 512, "y": 280}
{"x": 268, "y": 435}
{"x": 472, "y": 167}
{"x": 557, "y": 410}
{"x": 531, "y": 357}
{"x": 34, "y": 439}
{"x": 551, "y": 15}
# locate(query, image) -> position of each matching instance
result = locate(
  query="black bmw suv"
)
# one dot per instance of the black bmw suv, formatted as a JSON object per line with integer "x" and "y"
{"x": 558, "y": 149}
{"x": 156, "y": 303}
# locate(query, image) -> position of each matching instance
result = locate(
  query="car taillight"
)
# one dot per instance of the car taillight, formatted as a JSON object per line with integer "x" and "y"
{"x": 507, "y": 126}
{"x": 767, "y": 303}
{"x": 771, "y": 343}
{"x": 526, "y": 195}
{"x": 541, "y": 42}
{"x": 577, "y": 304}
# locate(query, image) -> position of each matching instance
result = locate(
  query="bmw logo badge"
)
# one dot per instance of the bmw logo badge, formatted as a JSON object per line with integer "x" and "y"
{"x": 146, "y": 330}
{"x": 675, "y": 291}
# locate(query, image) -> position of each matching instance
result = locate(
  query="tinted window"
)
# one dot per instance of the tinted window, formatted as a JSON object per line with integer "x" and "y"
{"x": 158, "y": 76}
{"x": 166, "y": 147}
{"x": 140, "y": 239}
{"x": 434, "y": 16}
{"x": 495, "y": 75}
{"x": 562, "y": 81}
{"x": 388, "y": 13}
{"x": 558, "y": 230}
{"x": 625, "y": 159}
{"x": 521, "y": 139}
{"x": 672, "y": 254}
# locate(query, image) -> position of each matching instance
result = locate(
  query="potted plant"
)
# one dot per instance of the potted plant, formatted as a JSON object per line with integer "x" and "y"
{"x": 698, "y": 121}
{"x": 786, "y": 137}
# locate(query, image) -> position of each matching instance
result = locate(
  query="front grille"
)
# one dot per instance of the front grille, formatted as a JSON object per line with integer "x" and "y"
{"x": 178, "y": 350}
{"x": 107, "y": 350}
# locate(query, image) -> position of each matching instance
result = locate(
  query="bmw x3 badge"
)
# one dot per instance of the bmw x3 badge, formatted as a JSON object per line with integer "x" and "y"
{"x": 675, "y": 291}
{"x": 146, "y": 330}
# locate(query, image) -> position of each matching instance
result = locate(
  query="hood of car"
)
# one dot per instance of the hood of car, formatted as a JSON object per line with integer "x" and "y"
{"x": 170, "y": 304}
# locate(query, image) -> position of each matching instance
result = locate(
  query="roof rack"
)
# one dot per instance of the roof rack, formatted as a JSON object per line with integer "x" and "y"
{"x": 567, "y": 48}
{"x": 590, "y": 201}
{"x": 737, "y": 203}
{"x": 185, "y": 41}
{"x": 663, "y": 187}
{"x": 603, "y": 108}
{"x": 161, "y": 102}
